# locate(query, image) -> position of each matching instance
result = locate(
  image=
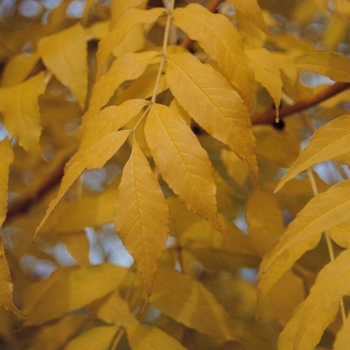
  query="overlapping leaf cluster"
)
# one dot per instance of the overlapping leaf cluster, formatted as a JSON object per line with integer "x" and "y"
{"x": 116, "y": 98}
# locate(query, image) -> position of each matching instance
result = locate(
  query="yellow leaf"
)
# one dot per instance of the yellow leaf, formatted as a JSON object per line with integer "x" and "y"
{"x": 340, "y": 234}
{"x": 286, "y": 295}
{"x": 276, "y": 147}
{"x": 97, "y": 31}
{"x": 65, "y": 54}
{"x": 143, "y": 337}
{"x": 55, "y": 336}
{"x": 6, "y": 286}
{"x": 329, "y": 64}
{"x": 89, "y": 211}
{"x": 328, "y": 142}
{"x": 19, "y": 104}
{"x": 91, "y": 157}
{"x": 143, "y": 87}
{"x": 78, "y": 246}
{"x": 141, "y": 215}
{"x": 265, "y": 220}
{"x": 221, "y": 40}
{"x": 98, "y": 338}
{"x": 312, "y": 317}
{"x": 182, "y": 162}
{"x": 324, "y": 211}
{"x": 110, "y": 119}
{"x": 129, "y": 20}
{"x": 7, "y": 158}
{"x": 190, "y": 303}
{"x": 18, "y": 68}
{"x": 68, "y": 289}
{"x": 251, "y": 10}
{"x": 119, "y": 7}
{"x": 342, "y": 339}
{"x": 114, "y": 309}
{"x": 213, "y": 104}
{"x": 127, "y": 67}
{"x": 263, "y": 63}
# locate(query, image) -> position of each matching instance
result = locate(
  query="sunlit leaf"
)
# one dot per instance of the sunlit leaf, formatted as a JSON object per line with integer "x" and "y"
{"x": 340, "y": 234}
{"x": 144, "y": 337}
{"x": 118, "y": 8}
{"x": 212, "y": 103}
{"x": 328, "y": 142}
{"x": 182, "y": 161}
{"x": 91, "y": 157}
{"x": 324, "y": 211}
{"x": 98, "y": 338}
{"x": 19, "y": 104}
{"x": 141, "y": 215}
{"x": 7, "y": 157}
{"x": 130, "y": 19}
{"x": 312, "y": 317}
{"x": 110, "y": 119}
{"x": 329, "y": 64}
{"x": 127, "y": 67}
{"x": 190, "y": 303}
{"x": 68, "y": 289}
{"x": 221, "y": 40}
{"x": 65, "y": 54}
{"x": 251, "y": 10}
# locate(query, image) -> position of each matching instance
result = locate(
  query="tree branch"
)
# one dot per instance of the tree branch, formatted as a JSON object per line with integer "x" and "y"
{"x": 268, "y": 117}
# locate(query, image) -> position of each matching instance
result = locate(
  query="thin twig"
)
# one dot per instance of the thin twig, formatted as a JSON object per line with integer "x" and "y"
{"x": 268, "y": 117}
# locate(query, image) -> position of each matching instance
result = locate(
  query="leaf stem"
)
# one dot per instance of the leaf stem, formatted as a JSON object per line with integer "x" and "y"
{"x": 164, "y": 51}
{"x": 328, "y": 240}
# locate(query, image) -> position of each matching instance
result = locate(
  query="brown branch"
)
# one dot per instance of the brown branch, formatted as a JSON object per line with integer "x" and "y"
{"x": 268, "y": 117}
{"x": 52, "y": 180}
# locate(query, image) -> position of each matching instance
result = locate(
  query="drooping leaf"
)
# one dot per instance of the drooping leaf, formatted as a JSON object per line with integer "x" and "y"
{"x": 6, "y": 286}
{"x": 89, "y": 158}
{"x": 251, "y": 10}
{"x": 328, "y": 142}
{"x": 324, "y": 211}
{"x": 7, "y": 158}
{"x": 190, "y": 303}
{"x": 182, "y": 161}
{"x": 219, "y": 39}
{"x": 141, "y": 215}
{"x": 127, "y": 67}
{"x": 340, "y": 234}
{"x": 65, "y": 54}
{"x": 19, "y": 104}
{"x": 329, "y": 64}
{"x": 144, "y": 337}
{"x": 68, "y": 289}
{"x": 263, "y": 63}
{"x": 305, "y": 329}
{"x": 98, "y": 338}
{"x": 212, "y": 103}
{"x": 131, "y": 18}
